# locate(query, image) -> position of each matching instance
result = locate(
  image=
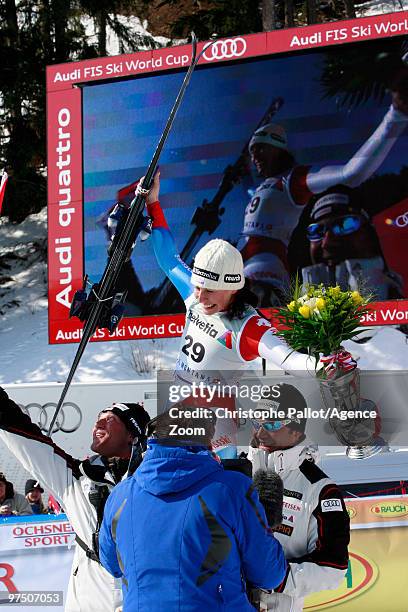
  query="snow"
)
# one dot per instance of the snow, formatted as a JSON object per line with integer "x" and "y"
{"x": 137, "y": 30}
{"x": 378, "y": 7}
{"x": 388, "y": 350}
{"x": 26, "y": 355}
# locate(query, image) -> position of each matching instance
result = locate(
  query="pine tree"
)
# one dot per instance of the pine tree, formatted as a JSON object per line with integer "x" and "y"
{"x": 33, "y": 34}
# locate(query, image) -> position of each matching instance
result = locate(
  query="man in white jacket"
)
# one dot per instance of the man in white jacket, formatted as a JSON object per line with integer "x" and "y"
{"x": 314, "y": 532}
{"x": 81, "y": 487}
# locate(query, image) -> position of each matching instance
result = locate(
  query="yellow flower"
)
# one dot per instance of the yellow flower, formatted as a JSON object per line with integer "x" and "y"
{"x": 292, "y": 306}
{"x": 320, "y": 303}
{"x": 335, "y": 290}
{"x": 305, "y": 311}
{"x": 356, "y": 297}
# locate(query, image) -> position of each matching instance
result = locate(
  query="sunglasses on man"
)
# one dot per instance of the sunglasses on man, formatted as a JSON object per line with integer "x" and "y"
{"x": 341, "y": 226}
{"x": 270, "y": 425}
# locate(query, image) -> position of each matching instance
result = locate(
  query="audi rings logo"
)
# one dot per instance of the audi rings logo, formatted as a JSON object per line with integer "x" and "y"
{"x": 225, "y": 49}
{"x": 400, "y": 221}
{"x": 68, "y": 420}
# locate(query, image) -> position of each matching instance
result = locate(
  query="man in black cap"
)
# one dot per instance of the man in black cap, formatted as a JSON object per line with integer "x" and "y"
{"x": 81, "y": 487}
{"x": 33, "y": 491}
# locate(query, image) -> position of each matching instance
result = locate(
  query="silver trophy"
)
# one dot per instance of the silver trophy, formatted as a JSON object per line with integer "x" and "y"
{"x": 357, "y": 433}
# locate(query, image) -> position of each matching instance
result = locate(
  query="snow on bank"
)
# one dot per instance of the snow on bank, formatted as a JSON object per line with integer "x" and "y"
{"x": 25, "y": 354}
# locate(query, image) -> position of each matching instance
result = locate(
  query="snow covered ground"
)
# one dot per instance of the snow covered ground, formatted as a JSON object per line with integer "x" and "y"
{"x": 25, "y": 355}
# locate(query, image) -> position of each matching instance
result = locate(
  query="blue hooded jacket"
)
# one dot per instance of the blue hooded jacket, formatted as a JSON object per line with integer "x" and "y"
{"x": 185, "y": 535}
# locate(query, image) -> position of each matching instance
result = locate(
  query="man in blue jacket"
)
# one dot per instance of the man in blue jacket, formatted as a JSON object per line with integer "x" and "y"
{"x": 183, "y": 533}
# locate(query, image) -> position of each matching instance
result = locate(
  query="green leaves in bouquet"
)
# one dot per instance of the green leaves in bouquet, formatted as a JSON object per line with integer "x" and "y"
{"x": 318, "y": 319}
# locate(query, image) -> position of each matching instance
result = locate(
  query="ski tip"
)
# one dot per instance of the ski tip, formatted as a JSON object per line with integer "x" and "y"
{"x": 194, "y": 41}
{"x": 194, "y": 48}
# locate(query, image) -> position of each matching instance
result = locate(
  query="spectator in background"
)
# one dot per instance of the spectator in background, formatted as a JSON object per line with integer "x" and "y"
{"x": 33, "y": 492}
{"x": 11, "y": 503}
{"x": 182, "y": 533}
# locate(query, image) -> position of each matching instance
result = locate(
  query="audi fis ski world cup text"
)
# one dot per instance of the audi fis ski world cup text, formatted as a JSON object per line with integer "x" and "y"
{"x": 343, "y": 34}
{"x": 220, "y": 50}
{"x": 386, "y": 315}
{"x": 126, "y": 330}
{"x": 114, "y": 69}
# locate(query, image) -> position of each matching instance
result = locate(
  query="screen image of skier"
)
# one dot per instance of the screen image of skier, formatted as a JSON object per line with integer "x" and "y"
{"x": 260, "y": 209}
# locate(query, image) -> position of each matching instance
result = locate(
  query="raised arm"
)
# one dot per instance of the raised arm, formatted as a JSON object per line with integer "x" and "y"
{"x": 366, "y": 160}
{"x": 164, "y": 245}
{"x": 36, "y": 452}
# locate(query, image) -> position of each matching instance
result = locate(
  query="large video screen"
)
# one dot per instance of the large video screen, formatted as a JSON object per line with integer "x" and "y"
{"x": 296, "y": 158}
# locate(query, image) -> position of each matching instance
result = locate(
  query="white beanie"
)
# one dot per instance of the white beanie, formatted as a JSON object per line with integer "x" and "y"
{"x": 218, "y": 265}
{"x": 271, "y": 134}
{"x": 329, "y": 203}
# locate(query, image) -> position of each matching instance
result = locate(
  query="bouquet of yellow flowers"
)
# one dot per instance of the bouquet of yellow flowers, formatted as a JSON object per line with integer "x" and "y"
{"x": 318, "y": 319}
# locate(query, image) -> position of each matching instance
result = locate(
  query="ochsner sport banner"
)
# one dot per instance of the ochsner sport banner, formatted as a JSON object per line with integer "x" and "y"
{"x": 36, "y": 560}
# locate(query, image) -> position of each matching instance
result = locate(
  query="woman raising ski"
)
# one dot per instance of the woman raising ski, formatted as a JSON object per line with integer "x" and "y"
{"x": 223, "y": 332}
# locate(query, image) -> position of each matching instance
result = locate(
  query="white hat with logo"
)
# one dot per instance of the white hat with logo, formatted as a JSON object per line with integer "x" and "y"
{"x": 218, "y": 265}
{"x": 271, "y": 134}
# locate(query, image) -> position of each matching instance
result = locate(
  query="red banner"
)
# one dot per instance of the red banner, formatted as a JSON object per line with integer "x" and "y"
{"x": 64, "y": 76}
{"x": 65, "y": 235}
